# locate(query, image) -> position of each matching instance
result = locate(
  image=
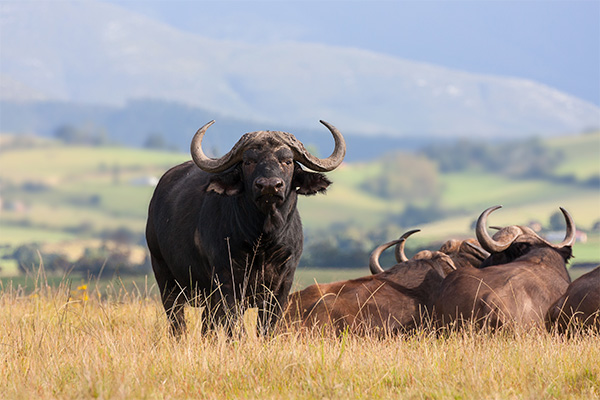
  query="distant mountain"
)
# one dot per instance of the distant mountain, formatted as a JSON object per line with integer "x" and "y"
{"x": 92, "y": 52}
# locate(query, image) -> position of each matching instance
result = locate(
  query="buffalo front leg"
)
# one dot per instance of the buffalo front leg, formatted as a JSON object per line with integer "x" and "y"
{"x": 270, "y": 309}
{"x": 222, "y": 312}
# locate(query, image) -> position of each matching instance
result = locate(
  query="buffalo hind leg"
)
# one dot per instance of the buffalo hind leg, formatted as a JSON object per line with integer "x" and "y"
{"x": 174, "y": 301}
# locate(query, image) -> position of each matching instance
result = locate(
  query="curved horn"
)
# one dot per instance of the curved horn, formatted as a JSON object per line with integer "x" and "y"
{"x": 399, "y": 251}
{"x": 484, "y": 237}
{"x": 212, "y": 164}
{"x": 329, "y": 163}
{"x": 569, "y": 239}
{"x": 374, "y": 265}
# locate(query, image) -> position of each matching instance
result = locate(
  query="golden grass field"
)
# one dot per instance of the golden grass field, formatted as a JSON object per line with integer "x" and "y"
{"x": 78, "y": 342}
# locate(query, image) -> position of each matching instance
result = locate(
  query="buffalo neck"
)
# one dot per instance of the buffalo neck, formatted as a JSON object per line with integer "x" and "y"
{"x": 251, "y": 221}
{"x": 549, "y": 258}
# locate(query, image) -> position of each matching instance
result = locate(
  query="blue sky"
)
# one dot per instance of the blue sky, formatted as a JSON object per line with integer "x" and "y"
{"x": 556, "y": 43}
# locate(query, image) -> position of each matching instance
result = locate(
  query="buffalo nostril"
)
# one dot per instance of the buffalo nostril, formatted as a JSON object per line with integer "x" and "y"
{"x": 269, "y": 185}
{"x": 261, "y": 183}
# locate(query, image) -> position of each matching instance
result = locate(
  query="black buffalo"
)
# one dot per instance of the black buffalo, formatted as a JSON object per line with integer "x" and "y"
{"x": 515, "y": 285}
{"x": 225, "y": 233}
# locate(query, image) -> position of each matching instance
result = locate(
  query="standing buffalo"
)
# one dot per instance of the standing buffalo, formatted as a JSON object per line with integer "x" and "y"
{"x": 517, "y": 283}
{"x": 225, "y": 233}
{"x": 392, "y": 301}
{"x": 579, "y": 307}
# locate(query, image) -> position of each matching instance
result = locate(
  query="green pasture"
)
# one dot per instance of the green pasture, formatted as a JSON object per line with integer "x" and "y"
{"x": 581, "y": 152}
{"x": 479, "y": 190}
{"x": 57, "y": 163}
{"x": 55, "y": 193}
{"x": 582, "y": 204}
{"x": 588, "y": 252}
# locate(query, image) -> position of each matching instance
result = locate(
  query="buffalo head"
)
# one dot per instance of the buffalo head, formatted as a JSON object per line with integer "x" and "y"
{"x": 512, "y": 242}
{"x": 265, "y": 167}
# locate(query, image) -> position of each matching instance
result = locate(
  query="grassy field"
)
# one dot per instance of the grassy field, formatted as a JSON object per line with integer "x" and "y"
{"x": 70, "y": 343}
{"x": 72, "y": 337}
{"x": 145, "y": 284}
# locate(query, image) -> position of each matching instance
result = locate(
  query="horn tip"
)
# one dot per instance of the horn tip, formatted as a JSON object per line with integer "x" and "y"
{"x": 405, "y": 235}
{"x": 565, "y": 213}
{"x": 489, "y": 210}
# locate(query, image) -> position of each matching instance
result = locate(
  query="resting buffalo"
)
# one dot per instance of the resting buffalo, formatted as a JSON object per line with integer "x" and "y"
{"x": 517, "y": 283}
{"x": 225, "y": 233}
{"x": 389, "y": 302}
{"x": 579, "y": 307}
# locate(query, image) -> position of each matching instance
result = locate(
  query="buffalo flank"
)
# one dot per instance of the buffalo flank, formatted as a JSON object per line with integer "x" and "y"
{"x": 579, "y": 307}
{"x": 388, "y": 302}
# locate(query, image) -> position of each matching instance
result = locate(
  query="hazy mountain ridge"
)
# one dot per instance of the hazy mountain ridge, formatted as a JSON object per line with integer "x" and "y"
{"x": 93, "y": 52}
{"x": 176, "y": 123}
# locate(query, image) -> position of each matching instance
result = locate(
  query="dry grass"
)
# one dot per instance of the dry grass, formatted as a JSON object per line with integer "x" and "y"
{"x": 72, "y": 343}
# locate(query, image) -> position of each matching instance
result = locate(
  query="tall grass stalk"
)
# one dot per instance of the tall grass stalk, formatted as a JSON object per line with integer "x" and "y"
{"x": 72, "y": 342}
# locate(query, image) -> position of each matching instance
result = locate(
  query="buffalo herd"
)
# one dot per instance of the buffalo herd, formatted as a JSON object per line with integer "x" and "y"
{"x": 225, "y": 234}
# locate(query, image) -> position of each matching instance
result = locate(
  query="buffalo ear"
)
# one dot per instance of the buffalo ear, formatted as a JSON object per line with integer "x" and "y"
{"x": 309, "y": 183}
{"x": 442, "y": 263}
{"x": 227, "y": 183}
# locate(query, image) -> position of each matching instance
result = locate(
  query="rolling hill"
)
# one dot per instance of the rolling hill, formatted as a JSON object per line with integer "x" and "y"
{"x": 55, "y": 193}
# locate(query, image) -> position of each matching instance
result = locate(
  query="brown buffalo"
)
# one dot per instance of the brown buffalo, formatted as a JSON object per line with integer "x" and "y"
{"x": 387, "y": 302}
{"x": 579, "y": 307}
{"x": 517, "y": 283}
